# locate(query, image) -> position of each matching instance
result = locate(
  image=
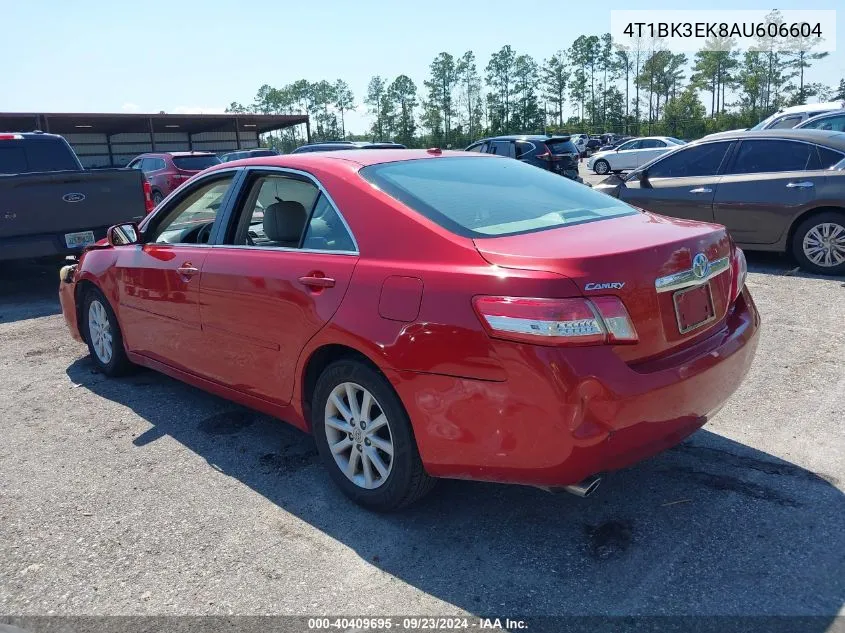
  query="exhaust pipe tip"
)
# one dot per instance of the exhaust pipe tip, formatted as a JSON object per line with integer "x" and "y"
{"x": 584, "y": 488}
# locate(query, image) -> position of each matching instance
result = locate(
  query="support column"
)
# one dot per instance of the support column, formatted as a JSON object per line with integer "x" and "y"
{"x": 152, "y": 133}
{"x": 308, "y": 130}
{"x": 238, "y": 132}
{"x": 111, "y": 154}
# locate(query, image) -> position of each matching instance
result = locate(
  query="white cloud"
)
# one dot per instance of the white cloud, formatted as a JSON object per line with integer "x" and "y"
{"x": 130, "y": 107}
{"x": 196, "y": 110}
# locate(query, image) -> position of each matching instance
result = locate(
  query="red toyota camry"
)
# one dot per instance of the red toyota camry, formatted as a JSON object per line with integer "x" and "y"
{"x": 427, "y": 314}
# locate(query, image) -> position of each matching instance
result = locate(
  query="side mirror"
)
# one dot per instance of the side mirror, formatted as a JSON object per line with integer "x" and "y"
{"x": 124, "y": 234}
{"x": 644, "y": 179}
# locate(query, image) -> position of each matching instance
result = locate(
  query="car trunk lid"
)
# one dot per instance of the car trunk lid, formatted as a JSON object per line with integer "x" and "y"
{"x": 625, "y": 257}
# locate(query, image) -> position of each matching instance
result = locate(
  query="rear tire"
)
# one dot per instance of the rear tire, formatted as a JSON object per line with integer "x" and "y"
{"x": 360, "y": 425}
{"x": 818, "y": 243}
{"x": 157, "y": 198}
{"x": 102, "y": 333}
{"x": 601, "y": 167}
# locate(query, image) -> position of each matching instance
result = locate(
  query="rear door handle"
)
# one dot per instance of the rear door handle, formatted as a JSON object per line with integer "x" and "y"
{"x": 187, "y": 269}
{"x": 804, "y": 184}
{"x": 701, "y": 190}
{"x": 315, "y": 281}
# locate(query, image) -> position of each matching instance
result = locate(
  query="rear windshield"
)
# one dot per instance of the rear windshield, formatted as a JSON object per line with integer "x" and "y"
{"x": 195, "y": 163}
{"x": 561, "y": 147}
{"x": 31, "y": 155}
{"x": 484, "y": 197}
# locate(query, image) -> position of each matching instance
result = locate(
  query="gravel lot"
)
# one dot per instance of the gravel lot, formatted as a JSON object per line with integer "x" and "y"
{"x": 146, "y": 496}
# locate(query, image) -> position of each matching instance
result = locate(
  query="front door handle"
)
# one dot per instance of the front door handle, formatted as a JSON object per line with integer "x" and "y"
{"x": 187, "y": 269}
{"x": 317, "y": 281}
{"x": 804, "y": 184}
{"x": 701, "y": 190}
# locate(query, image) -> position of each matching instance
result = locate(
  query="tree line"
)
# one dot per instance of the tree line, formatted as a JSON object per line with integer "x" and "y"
{"x": 596, "y": 85}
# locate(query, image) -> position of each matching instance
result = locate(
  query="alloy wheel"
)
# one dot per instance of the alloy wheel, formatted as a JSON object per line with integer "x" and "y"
{"x": 824, "y": 244}
{"x": 99, "y": 329}
{"x": 359, "y": 435}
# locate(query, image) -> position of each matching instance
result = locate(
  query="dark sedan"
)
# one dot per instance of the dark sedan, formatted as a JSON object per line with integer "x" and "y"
{"x": 775, "y": 190}
{"x": 557, "y": 154}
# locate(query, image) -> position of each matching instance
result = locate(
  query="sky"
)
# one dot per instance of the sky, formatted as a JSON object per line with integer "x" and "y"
{"x": 192, "y": 56}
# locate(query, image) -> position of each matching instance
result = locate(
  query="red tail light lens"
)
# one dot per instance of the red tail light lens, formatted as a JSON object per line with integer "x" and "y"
{"x": 740, "y": 272}
{"x": 11, "y": 137}
{"x": 539, "y": 321}
{"x": 148, "y": 197}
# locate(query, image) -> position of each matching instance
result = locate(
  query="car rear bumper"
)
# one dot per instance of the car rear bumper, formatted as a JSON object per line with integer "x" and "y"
{"x": 564, "y": 415}
{"x": 67, "y": 299}
{"x": 42, "y": 245}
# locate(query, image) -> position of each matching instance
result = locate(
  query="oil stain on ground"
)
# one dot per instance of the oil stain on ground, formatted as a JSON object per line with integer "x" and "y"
{"x": 610, "y": 539}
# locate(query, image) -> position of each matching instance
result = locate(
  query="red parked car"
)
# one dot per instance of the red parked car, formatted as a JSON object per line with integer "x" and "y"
{"x": 166, "y": 171}
{"x": 427, "y": 314}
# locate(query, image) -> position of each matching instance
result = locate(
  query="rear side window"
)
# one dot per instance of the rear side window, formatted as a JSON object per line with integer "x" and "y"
{"x": 36, "y": 155}
{"x": 524, "y": 149}
{"x": 828, "y": 158}
{"x": 559, "y": 148}
{"x": 195, "y": 163}
{"x": 479, "y": 197}
{"x": 763, "y": 156}
{"x": 698, "y": 160}
{"x": 501, "y": 148}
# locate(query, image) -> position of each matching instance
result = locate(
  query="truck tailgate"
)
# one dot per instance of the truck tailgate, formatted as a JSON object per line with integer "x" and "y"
{"x": 67, "y": 201}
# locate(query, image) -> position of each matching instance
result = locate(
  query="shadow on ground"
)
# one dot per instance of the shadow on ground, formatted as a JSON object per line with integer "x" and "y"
{"x": 29, "y": 290}
{"x": 711, "y": 527}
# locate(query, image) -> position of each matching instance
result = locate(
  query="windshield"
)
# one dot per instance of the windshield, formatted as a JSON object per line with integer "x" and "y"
{"x": 195, "y": 163}
{"x": 484, "y": 197}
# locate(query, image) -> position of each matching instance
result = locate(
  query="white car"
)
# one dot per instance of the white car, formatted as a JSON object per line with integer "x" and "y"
{"x": 580, "y": 141}
{"x": 794, "y": 116}
{"x": 631, "y": 154}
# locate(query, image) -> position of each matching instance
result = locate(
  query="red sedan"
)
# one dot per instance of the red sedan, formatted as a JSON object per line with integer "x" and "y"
{"x": 427, "y": 314}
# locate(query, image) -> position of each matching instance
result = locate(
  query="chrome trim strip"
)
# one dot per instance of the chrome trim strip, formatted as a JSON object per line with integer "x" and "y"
{"x": 319, "y": 185}
{"x": 687, "y": 279}
{"x": 270, "y": 249}
{"x": 581, "y": 327}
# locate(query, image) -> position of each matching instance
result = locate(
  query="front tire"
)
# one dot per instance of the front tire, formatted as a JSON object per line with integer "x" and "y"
{"x": 364, "y": 438}
{"x": 601, "y": 167}
{"x": 818, "y": 244}
{"x": 103, "y": 335}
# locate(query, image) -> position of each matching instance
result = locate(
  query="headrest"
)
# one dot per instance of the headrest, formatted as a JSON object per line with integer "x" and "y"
{"x": 284, "y": 221}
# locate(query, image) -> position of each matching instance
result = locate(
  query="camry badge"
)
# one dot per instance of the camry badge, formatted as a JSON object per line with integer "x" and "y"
{"x": 612, "y": 285}
{"x": 700, "y": 266}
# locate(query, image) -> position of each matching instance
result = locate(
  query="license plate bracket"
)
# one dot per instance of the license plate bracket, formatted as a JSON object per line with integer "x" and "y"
{"x": 79, "y": 239}
{"x": 694, "y": 307}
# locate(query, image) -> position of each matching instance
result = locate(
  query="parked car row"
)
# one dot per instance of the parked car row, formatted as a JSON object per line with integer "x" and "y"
{"x": 775, "y": 190}
{"x": 631, "y": 154}
{"x": 557, "y": 154}
{"x": 427, "y": 313}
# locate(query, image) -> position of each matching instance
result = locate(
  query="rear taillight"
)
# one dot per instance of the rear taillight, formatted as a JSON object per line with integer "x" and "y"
{"x": 148, "y": 197}
{"x": 740, "y": 272}
{"x": 575, "y": 321}
{"x": 11, "y": 137}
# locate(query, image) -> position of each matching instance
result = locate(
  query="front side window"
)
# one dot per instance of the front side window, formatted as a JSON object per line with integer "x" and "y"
{"x": 785, "y": 123}
{"x": 479, "y": 197}
{"x": 192, "y": 218}
{"x": 500, "y": 148}
{"x": 290, "y": 211}
{"x": 474, "y": 148}
{"x": 698, "y": 160}
{"x": 764, "y": 156}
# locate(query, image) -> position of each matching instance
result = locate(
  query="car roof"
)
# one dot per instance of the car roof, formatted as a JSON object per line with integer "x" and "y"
{"x": 176, "y": 154}
{"x": 811, "y": 107}
{"x": 834, "y": 140}
{"x": 360, "y": 157}
{"x": 525, "y": 137}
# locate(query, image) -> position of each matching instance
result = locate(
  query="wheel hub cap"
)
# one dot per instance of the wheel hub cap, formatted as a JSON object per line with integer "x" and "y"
{"x": 359, "y": 435}
{"x": 99, "y": 329}
{"x": 824, "y": 244}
